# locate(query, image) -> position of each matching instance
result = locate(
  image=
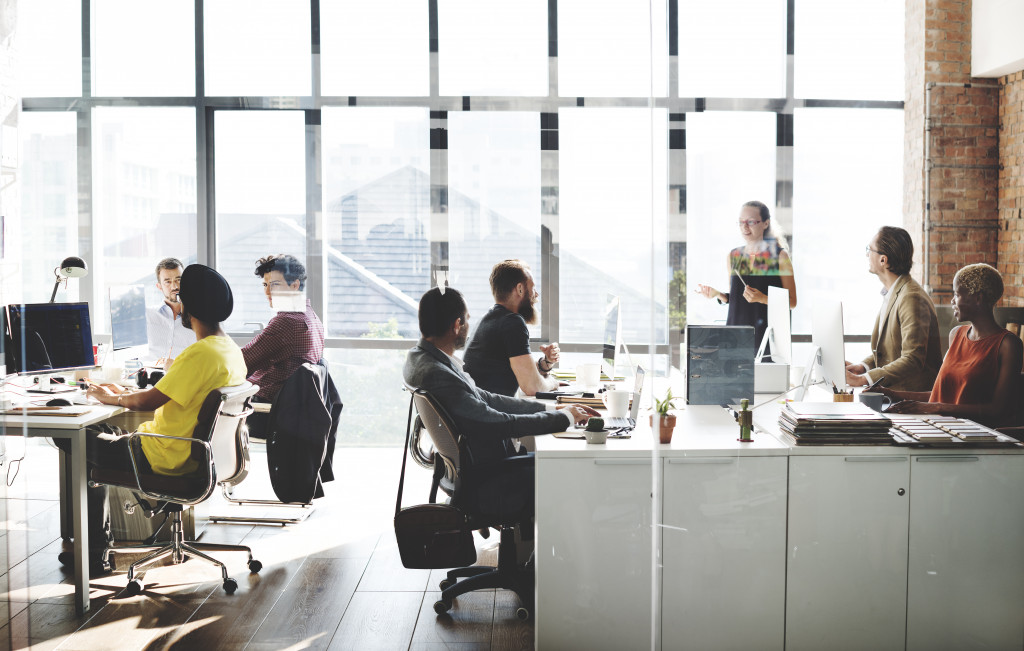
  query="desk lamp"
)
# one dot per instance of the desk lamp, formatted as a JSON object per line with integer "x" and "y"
{"x": 71, "y": 267}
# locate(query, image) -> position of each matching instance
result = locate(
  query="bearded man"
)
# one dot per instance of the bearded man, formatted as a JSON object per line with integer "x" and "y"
{"x": 498, "y": 357}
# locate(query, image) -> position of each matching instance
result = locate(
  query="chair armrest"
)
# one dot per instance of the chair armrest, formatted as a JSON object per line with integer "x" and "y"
{"x": 205, "y": 457}
{"x": 261, "y": 407}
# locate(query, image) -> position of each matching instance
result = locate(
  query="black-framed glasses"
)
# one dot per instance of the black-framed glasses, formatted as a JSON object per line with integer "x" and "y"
{"x": 868, "y": 249}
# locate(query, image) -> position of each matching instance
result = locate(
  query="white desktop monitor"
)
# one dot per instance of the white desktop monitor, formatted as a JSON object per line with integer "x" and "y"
{"x": 778, "y": 325}
{"x": 827, "y": 338}
{"x": 128, "y": 316}
{"x": 612, "y": 334}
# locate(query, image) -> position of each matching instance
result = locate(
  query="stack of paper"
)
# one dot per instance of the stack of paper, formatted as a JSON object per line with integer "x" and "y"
{"x": 834, "y": 423}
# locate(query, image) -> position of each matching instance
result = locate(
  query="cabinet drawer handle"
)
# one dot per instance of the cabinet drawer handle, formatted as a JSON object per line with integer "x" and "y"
{"x": 939, "y": 459}
{"x": 622, "y": 462}
{"x": 709, "y": 460}
{"x": 873, "y": 459}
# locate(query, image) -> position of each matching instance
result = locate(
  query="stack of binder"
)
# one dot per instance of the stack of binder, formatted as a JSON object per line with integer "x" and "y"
{"x": 834, "y": 423}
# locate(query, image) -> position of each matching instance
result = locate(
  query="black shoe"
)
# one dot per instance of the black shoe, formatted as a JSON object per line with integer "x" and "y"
{"x": 96, "y": 565}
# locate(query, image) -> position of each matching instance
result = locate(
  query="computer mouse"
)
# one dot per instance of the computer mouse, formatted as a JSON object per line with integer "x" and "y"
{"x": 58, "y": 402}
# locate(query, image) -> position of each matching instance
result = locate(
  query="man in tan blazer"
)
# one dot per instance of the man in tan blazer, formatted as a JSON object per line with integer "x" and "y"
{"x": 905, "y": 341}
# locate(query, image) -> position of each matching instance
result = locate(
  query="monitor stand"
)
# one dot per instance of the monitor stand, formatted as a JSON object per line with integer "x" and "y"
{"x": 48, "y": 387}
{"x": 813, "y": 363}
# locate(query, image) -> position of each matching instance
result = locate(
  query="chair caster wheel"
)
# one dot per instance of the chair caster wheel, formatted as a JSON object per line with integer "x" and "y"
{"x": 230, "y": 585}
{"x": 523, "y": 614}
{"x": 255, "y": 566}
{"x": 134, "y": 588}
{"x": 440, "y": 607}
{"x": 446, "y": 583}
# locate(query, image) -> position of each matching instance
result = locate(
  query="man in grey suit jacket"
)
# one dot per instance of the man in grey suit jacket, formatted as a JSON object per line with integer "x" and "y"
{"x": 905, "y": 344}
{"x": 487, "y": 420}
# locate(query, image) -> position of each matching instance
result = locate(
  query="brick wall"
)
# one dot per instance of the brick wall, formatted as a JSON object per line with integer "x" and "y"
{"x": 1011, "y": 187}
{"x": 953, "y": 165}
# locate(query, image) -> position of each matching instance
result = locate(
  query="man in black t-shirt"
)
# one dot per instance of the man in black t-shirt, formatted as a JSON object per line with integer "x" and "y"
{"x": 498, "y": 357}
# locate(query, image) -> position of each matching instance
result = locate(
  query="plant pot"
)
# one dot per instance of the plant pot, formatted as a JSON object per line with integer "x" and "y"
{"x": 665, "y": 426}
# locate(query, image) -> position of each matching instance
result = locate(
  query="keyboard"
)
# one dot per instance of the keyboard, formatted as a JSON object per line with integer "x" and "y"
{"x": 619, "y": 422}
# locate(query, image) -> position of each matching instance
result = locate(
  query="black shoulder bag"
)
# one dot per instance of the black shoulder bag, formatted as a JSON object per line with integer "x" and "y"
{"x": 431, "y": 536}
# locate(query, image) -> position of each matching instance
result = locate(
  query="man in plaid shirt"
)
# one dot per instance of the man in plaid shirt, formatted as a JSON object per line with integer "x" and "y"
{"x": 289, "y": 340}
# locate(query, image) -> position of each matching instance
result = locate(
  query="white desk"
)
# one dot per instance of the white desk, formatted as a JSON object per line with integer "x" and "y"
{"x": 74, "y": 430}
{"x": 764, "y": 545}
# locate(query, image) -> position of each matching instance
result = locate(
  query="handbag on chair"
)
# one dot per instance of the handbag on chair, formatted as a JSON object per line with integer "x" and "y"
{"x": 431, "y": 536}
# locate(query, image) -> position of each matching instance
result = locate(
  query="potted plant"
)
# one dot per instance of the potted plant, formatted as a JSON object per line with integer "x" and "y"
{"x": 666, "y": 421}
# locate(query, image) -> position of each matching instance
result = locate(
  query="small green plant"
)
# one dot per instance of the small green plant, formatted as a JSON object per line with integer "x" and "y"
{"x": 663, "y": 405}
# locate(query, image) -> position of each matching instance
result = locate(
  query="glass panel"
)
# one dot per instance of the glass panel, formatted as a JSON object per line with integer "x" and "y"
{"x": 377, "y": 207}
{"x": 613, "y": 229}
{"x": 862, "y": 149}
{"x": 605, "y": 48}
{"x": 732, "y": 48}
{"x": 132, "y": 59}
{"x": 49, "y": 203}
{"x": 493, "y": 200}
{"x": 257, "y": 47}
{"x": 144, "y": 196}
{"x": 849, "y": 50}
{"x": 50, "y": 48}
{"x": 378, "y": 417}
{"x": 730, "y": 159}
{"x": 359, "y": 58}
{"x": 493, "y": 48}
{"x": 261, "y": 201}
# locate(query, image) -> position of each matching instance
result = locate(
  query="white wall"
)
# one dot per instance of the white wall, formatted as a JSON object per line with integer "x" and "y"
{"x": 997, "y": 37}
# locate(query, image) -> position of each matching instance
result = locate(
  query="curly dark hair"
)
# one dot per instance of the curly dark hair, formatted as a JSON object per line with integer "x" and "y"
{"x": 288, "y": 265}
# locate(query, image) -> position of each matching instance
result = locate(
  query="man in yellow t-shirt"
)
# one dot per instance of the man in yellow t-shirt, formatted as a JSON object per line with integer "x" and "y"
{"x": 212, "y": 362}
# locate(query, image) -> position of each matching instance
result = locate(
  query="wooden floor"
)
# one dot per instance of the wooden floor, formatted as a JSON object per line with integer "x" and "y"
{"x": 332, "y": 582}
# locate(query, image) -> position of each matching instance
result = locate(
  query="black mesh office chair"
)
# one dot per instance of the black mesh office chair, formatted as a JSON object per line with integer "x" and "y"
{"x": 466, "y": 479}
{"x": 219, "y": 443}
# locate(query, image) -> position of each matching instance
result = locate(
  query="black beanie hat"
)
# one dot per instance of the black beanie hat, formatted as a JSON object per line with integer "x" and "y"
{"x": 205, "y": 294}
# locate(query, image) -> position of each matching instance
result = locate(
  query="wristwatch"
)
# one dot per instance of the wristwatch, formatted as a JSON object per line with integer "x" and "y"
{"x": 543, "y": 358}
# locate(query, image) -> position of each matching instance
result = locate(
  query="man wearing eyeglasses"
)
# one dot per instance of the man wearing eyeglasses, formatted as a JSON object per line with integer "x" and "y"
{"x": 294, "y": 336}
{"x": 165, "y": 333}
{"x": 905, "y": 346}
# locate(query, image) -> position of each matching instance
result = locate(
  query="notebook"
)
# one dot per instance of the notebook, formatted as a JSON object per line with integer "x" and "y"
{"x": 634, "y": 408}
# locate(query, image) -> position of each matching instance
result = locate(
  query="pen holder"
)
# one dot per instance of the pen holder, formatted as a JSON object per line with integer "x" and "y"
{"x": 842, "y": 397}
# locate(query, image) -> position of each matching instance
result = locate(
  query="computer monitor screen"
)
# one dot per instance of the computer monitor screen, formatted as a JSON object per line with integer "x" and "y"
{"x": 612, "y": 334}
{"x": 127, "y": 316}
{"x": 827, "y": 337}
{"x": 778, "y": 325}
{"x": 47, "y": 337}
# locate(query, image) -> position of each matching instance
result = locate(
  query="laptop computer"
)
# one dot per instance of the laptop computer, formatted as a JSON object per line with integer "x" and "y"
{"x": 634, "y": 409}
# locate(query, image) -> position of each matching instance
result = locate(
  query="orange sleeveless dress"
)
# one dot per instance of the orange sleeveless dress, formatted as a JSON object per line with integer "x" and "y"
{"x": 970, "y": 370}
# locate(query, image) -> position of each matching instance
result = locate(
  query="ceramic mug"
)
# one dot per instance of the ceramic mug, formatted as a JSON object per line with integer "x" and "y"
{"x": 616, "y": 402}
{"x": 877, "y": 401}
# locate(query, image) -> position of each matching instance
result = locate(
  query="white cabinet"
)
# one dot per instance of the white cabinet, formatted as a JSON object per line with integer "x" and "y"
{"x": 966, "y": 568}
{"x": 593, "y": 553}
{"x": 847, "y": 562}
{"x": 724, "y": 551}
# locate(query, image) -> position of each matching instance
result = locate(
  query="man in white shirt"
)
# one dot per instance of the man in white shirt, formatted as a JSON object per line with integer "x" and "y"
{"x": 164, "y": 330}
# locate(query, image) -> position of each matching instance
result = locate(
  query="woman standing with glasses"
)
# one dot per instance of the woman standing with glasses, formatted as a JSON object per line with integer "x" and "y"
{"x": 762, "y": 262}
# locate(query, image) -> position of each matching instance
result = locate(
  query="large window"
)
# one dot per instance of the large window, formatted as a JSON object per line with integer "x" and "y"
{"x": 391, "y": 144}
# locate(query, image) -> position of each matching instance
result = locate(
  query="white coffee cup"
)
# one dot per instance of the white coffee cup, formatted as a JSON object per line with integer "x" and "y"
{"x": 616, "y": 402}
{"x": 876, "y": 401}
{"x": 588, "y": 375}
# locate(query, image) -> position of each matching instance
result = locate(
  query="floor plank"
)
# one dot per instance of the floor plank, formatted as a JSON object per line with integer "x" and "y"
{"x": 468, "y": 622}
{"x": 378, "y": 620}
{"x": 509, "y": 632}
{"x": 312, "y": 605}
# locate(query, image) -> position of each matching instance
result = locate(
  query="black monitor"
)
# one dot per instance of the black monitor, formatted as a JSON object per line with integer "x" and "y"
{"x": 127, "y": 316}
{"x": 47, "y": 338}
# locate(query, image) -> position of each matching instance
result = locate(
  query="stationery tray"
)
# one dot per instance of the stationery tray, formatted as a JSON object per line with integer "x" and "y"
{"x": 946, "y": 432}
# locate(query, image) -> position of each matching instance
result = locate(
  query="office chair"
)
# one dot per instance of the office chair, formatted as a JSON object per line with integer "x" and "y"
{"x": 219, "y": 443}
{"x": 298, "y": 456}
{"x": 457, "y": 462}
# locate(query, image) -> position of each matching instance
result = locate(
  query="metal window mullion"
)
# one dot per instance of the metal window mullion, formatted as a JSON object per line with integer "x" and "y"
{"x": 316, "y": 263}
{"x": 206, "y": 232}
{"x": 86, "y": 228}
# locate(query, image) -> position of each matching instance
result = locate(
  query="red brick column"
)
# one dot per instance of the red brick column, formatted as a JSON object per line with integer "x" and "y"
{"x": 951, "y": 156}
{"x": 1011, "y": 187}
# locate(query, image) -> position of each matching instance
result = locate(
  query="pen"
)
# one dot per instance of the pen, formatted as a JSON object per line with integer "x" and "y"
{"x": 737, "y": 272}
{"x": 877, "y": 383}
{"x": 834, "y": 388}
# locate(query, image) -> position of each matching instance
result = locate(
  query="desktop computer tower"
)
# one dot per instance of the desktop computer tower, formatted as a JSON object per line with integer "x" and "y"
{"x": 719, "y": 364}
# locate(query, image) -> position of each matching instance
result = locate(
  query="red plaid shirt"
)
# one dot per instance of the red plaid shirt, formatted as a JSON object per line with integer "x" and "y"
{"x": 288, "y": 341}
